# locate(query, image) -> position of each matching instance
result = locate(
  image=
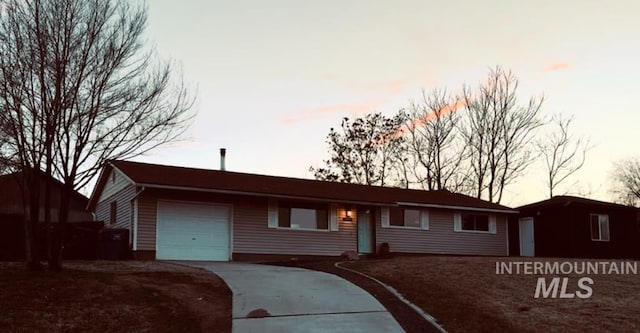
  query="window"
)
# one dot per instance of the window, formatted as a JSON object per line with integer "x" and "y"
{"x": 600, "y": 227}
{"x": 295, "y": 217}
{"x": 474, "y": 222}
{"x": 114, "y": 212}
{"x": 404, "y": 217}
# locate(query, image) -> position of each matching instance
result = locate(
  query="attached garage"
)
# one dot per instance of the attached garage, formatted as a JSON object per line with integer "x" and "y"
{"x": 193, "y": 231}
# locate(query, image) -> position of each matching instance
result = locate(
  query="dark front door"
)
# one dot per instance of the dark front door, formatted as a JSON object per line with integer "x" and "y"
{"x": 365, "y": 231}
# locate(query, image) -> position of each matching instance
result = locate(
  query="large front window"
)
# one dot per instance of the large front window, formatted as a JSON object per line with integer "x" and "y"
{"x": 303, "y": 217}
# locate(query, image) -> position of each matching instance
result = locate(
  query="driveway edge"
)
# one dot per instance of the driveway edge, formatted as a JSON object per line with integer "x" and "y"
{"x": 429, "y": 318}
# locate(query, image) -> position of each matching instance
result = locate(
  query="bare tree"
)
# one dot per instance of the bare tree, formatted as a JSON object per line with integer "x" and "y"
{"x": 78, "y": 87}
{"x": 498, "y": 132}
{"x": 562, "y": 152}
{"x": 626, "y": 181}
{"x": 364, "y": 152}
{"x": 433, "y": 148}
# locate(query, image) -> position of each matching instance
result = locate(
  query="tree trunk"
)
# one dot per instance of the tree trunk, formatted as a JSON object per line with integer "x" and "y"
{"x": 31, "y": 186}
{"x": 57, "y": 248}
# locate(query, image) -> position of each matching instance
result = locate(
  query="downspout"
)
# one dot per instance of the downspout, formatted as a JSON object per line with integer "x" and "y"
{"x": 134, "y": 232}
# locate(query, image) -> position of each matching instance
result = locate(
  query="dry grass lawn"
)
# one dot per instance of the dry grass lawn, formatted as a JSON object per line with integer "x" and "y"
{"x": 466, "y": 295}
{"x": 103, "y": 296}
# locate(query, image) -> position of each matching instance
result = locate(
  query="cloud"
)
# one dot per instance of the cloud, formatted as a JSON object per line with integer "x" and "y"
{"x": 313, "y": 113}
{"x": 384, "y": 90}
{"x": 431, "y": 116}
{"x": 558, "y": 66}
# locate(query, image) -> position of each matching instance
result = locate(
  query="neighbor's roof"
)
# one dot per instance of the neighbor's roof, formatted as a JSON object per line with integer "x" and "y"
{"x": 11, "y": 179}
{"x": 173, "y": 177}
{"x": 565, "y": 200}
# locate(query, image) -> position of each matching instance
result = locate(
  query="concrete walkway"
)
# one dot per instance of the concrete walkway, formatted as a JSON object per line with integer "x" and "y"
{"x": 286, "y": 299}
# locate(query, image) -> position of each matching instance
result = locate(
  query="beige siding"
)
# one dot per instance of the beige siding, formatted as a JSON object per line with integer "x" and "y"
{"x": 147, "y": 211}
{"x": 441, "y": 239}
{"x": 116, "y": 182}
{"x": 124, "y": 211}
{"x": 251, "y": 233}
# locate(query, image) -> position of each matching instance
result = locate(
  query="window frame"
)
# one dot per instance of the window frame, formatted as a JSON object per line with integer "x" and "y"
{"x": 423, "y": 218}
{"x": 275, "y": 207}
{"x": 602, "y": 218}
{"x": 492, "y": 224}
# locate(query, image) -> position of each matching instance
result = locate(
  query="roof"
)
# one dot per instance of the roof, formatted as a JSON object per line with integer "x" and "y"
{"x": 16, "y": 178}
{"x": 565, "y": 200}
{"x": 174, "y": 177}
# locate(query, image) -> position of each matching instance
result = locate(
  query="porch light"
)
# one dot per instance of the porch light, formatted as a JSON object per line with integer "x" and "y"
{"x": 347, "y": 215}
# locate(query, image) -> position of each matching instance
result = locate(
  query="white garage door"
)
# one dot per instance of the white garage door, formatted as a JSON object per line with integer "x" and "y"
{"x": 190, "y": 231}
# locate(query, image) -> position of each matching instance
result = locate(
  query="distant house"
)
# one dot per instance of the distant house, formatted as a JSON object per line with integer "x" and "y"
{"x": 199, "y": 214}
{"x": 12, "y": 192}
{"x": 566, "y": 226}
{"x": 13, "y": 211}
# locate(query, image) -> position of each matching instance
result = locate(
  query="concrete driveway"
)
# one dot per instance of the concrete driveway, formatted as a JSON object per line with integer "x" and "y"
{"x": 286, "y": 299}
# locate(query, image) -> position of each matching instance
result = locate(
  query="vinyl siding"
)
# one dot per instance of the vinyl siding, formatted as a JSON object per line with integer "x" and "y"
{"x": 147, "y": 212}
{"x": 441, "y": 239}
{"x": 115, "y": 183}
{"x": 123, "y": 208}
{"x": 251, "y": 233}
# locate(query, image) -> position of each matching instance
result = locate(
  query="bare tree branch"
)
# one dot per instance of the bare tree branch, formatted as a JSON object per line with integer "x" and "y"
{"x": 498, "y": 132}
{"x": 434, "y": 151}
{"x": 78, "y": 86}
{"x": 563, "y": 153}
{"x": 626, "y": 181}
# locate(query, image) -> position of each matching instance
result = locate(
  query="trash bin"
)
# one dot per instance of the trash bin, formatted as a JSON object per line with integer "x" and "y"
{"x": 384, "y": 251}
{"x": 115, "y": 244}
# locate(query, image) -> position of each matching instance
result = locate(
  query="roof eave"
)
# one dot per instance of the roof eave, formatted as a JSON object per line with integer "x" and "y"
{"x": 269, "y": 195}
{"x": 454, "y": 207}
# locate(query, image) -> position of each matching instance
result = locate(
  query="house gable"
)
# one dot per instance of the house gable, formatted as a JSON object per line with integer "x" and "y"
{"x": 115, "y": 182}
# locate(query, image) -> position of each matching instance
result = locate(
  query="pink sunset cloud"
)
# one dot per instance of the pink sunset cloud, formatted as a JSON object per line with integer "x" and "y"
{"x": 311, "y": 113}
{"x": 431, "y": 116}
{"x": 385, "y": 89}
{"x": 558, "y": 66}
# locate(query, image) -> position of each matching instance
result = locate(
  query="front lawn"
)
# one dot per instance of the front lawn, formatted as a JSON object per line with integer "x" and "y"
{"x": 105, "y": 296}
{"x": 466, "y": 295}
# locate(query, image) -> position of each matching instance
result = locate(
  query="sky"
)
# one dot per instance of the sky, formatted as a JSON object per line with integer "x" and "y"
{"x": 272, "y": 77}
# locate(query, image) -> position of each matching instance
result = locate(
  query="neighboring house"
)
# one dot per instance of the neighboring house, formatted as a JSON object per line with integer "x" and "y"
{"x": 12, "y": 194}
{"x": 566, "y": 226}
{"x": 13, "y": 211}
{"x": 197, "y": 214}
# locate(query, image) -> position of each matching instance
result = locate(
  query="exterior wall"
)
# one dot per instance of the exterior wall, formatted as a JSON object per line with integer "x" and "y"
{"x": 251, "y": 234}
{"x": 123, "y": 208}
{"x": 442, "y": 239}
{"x": 250, "y": 231}
{"x": 116, "y": 181}
{"x": 565, "y": 232}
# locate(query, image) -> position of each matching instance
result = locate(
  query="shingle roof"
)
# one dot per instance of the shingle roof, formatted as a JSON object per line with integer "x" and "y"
{"x": 155, "y": 175}
{"x": 565, "y": 200}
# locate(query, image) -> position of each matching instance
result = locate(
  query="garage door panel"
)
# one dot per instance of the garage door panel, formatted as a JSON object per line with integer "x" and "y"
{"x": 191, "y": 231}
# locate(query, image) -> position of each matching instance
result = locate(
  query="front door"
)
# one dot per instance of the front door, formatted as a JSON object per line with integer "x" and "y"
{"x": 527, "y": 245}
{"x": 365, "y": 231}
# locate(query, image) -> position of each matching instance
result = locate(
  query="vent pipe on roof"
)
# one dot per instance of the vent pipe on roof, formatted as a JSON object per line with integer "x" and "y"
{"x": 223, "y": 152}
